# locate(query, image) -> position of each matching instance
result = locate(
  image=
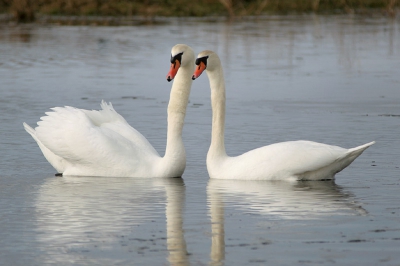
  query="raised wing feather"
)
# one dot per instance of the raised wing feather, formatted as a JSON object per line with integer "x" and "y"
{"x": 99, "y": 138}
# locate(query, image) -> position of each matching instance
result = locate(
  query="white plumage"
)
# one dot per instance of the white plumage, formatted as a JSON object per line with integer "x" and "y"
{"x": 101, "y": 143}
{"x": 292, "y": 160}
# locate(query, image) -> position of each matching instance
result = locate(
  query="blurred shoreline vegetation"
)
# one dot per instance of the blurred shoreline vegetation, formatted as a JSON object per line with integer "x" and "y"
{"x": 29, "y": 10}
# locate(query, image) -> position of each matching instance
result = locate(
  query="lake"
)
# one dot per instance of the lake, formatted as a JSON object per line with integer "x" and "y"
{"x": 331, "y": 79}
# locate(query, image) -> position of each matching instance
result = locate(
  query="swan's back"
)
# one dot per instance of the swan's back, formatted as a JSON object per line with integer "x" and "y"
{"x": 292, "y": 160}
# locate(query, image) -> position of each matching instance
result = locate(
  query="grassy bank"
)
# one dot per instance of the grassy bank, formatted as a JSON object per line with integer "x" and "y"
{"x": 25, "y": 10}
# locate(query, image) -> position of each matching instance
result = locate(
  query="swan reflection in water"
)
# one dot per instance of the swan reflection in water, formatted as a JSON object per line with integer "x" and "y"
{"x": 97, "y": 219}
{"x": 274, "y": 200}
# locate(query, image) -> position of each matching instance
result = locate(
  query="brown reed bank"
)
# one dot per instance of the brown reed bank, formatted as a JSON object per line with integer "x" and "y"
{"x": 25, "y": 10}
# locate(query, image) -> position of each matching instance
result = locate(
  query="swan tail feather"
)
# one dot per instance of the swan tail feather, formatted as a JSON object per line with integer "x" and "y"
{"x": 330, "y": 170}
{"x": 358, "y": 150}
{"x": 352, "y": 154}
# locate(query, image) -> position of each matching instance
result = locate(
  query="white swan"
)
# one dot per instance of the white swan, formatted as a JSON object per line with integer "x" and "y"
{"x": 292, "y": 160}
{"x": 81, "y": 142}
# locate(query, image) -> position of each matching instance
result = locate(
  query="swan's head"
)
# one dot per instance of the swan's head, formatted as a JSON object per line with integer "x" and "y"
{"x": 205, "y": 60}
{"x": 181, "y": 56}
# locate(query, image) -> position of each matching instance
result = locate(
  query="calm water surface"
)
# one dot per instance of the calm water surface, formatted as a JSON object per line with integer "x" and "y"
{"x": 333, "y": 79}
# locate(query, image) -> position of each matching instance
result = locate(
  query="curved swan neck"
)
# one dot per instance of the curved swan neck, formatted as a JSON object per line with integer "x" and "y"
{"x": 179, "y": 97}
{"x": 217, "y": 85}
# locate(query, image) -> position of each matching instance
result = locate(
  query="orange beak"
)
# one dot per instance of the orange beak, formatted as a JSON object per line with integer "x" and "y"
{"x": 173, "y": 70}
{"x": 200, "y": 68}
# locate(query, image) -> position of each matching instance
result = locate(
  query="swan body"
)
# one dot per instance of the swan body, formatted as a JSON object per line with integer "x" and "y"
{"x": 80, "y": 142}
{"x": 292, "y": 160}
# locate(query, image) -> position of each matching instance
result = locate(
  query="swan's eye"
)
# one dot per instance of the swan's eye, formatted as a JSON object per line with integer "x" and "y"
{"x": 176, "y": 57}
{"x": 202, "y": 60}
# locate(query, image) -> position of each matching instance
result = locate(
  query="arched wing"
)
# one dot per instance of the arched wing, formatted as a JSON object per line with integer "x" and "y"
{"x": 100, "y": 138}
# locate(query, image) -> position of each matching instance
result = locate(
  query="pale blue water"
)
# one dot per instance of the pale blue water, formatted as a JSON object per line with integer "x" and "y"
{"x": 333, "y": 79}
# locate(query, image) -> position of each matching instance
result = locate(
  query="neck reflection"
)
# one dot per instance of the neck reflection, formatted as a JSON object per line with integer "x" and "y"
{"x": 176, "y": 244}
